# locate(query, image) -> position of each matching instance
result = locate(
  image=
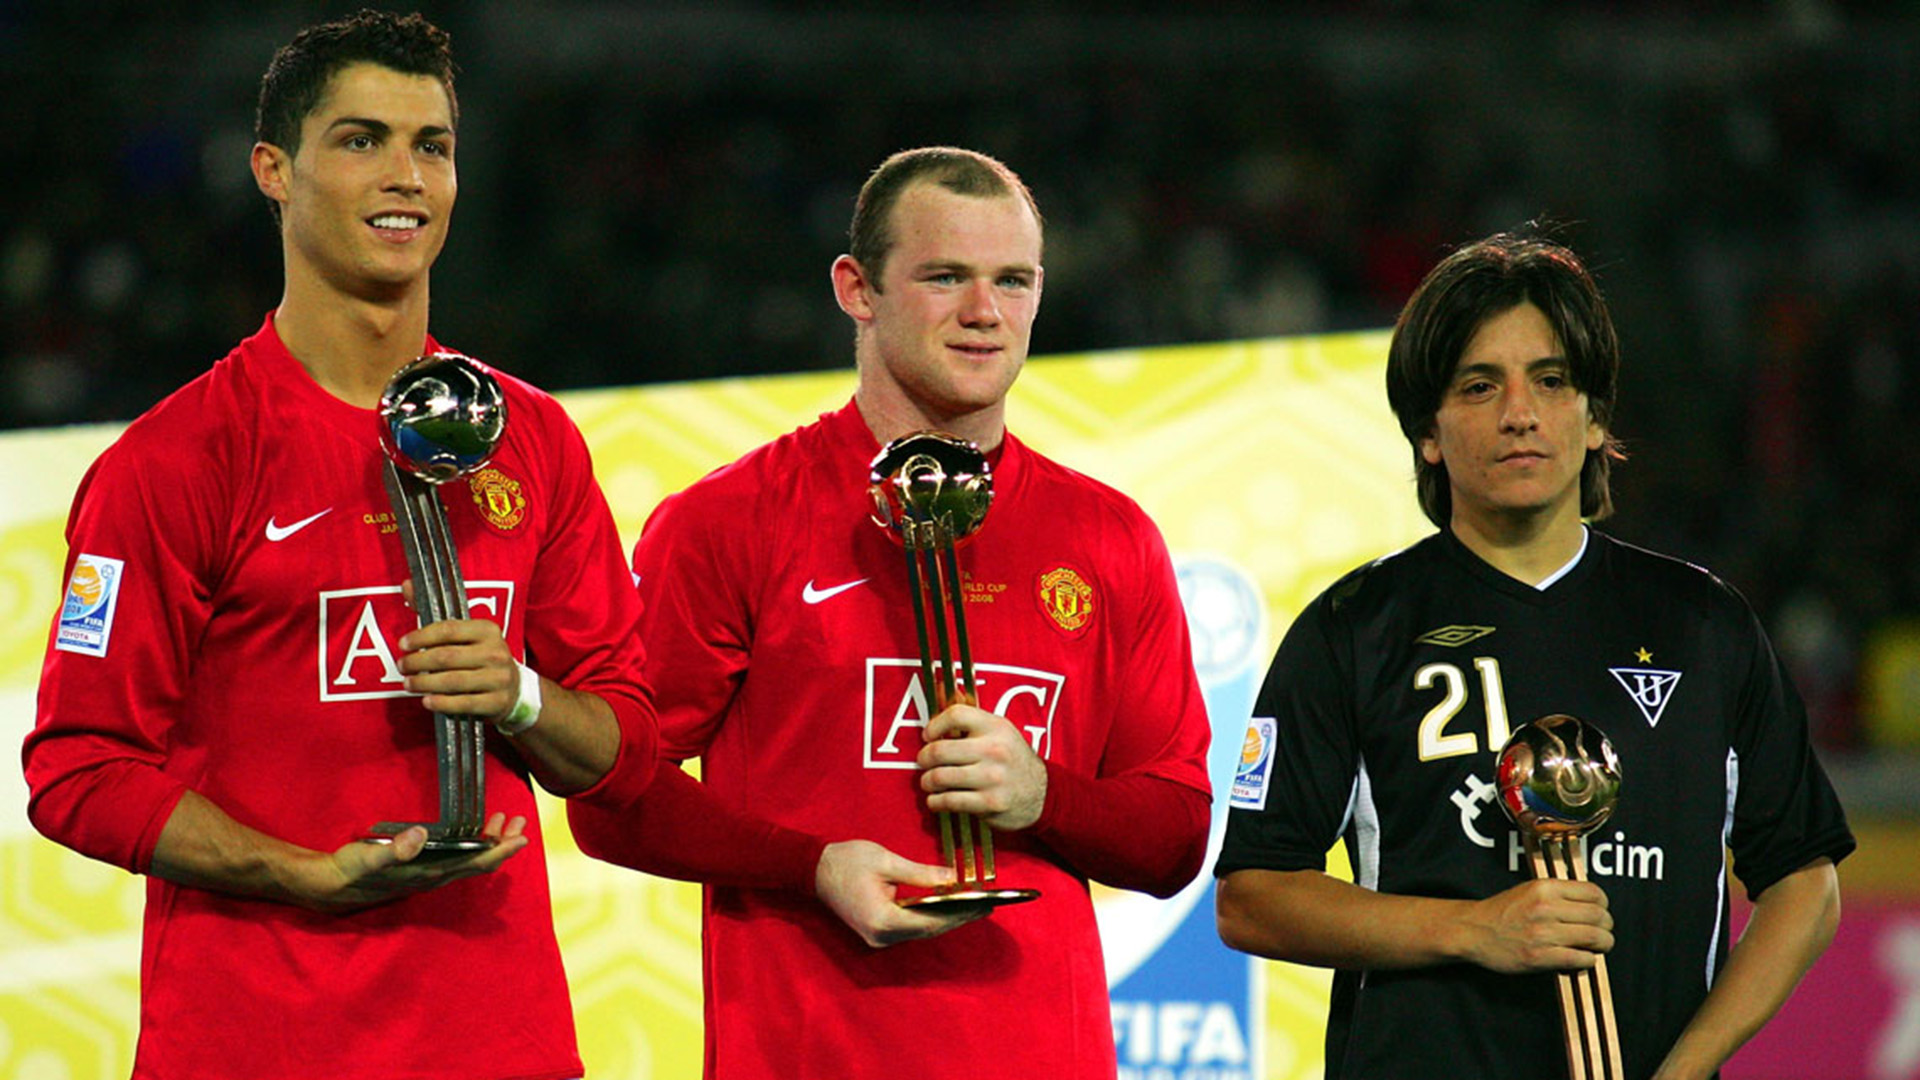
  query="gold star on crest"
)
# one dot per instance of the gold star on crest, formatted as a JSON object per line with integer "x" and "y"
{"x": 1643, "y": 656}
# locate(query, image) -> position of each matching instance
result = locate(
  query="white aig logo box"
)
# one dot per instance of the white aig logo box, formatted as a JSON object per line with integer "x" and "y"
{"x": 898, "y": 706}
{"x": 360, "y": 630}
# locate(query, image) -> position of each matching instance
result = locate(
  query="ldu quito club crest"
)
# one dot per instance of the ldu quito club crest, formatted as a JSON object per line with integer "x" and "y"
{"x": 441, "y": 417}
{"x": 932, "y": 490}
{"x": 1559, "y": 780}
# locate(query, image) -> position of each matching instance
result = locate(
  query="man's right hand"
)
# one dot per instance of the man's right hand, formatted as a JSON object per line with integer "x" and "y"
{"x": 364, "y": 873}
{"x": 1542, "y": 925}
{"x": 858, "y": 879}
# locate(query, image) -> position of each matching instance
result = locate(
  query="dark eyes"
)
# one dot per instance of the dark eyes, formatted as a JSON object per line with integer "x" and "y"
{"x": 1484, "y": 387}
{"x": 364, "y": 141}
{"x": 948, "y": 277}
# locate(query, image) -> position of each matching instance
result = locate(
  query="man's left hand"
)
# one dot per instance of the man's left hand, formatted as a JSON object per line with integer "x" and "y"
{"x": 463, "y": 667}
{"x": 978, "y": 763}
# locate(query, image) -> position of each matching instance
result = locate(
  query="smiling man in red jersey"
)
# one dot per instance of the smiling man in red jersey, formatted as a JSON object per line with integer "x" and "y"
{"x": 1387, "y": 705}
{"x": 781, "y": 645}
{"x": 236, "y": 689}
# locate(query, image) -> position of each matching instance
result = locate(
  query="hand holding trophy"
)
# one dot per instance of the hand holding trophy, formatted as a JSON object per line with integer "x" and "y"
{"x": 933, "y": 489}
{"x": 1559, "y": 780}
{"x": 441, "y": 417}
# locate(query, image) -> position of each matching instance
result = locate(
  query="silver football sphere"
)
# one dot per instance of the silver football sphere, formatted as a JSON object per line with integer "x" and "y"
{"x": 931, "y": 476}
{"x": 1558, "y": 777}
{"x": 441, "y": 417}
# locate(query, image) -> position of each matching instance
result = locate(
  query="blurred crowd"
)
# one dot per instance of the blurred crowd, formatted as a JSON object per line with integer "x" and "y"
{"x": 654, "y": 192}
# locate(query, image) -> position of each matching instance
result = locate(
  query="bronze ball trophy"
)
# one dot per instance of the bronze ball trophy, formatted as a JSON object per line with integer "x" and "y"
{"x": 932, "y": 490}
{"x": 440, "y": 418}
{"x": 1559, "y": 780}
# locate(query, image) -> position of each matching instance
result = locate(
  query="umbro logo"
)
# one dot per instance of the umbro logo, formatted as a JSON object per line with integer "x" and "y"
{"x": 1454, "y": 636}
{"x": 813, "y": 596}
{"x": 277, "y": 532}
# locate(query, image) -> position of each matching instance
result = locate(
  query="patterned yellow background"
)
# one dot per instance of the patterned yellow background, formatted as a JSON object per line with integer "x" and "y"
{"x": 1279, "y": 456}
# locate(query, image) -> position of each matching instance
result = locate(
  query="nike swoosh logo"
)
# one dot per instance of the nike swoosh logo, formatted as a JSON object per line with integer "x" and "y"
{"x": 813, "y": 596}
{"x": 277, "y": 533}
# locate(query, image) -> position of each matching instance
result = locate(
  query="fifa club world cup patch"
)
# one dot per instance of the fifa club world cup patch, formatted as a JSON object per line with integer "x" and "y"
{"x": 499, "y": 498}
{"x": 1066, "y": 598}
{"x": 86, "y": 615}
{"x": 1256, "y": 766}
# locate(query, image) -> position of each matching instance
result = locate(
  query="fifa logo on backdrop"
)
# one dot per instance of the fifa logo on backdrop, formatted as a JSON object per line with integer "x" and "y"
{"x": 1180, "y": 1040}
{"x": 1613, "y": 856}
{"x": 359, "y": 659}
{"x": 899, "y": 704}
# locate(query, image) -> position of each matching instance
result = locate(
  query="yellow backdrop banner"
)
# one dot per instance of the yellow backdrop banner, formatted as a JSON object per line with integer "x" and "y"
{"x": 1279, "y": 458}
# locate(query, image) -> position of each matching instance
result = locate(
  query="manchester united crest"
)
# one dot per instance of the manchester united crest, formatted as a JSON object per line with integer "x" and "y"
{"x": 498, "y": 498}
{"x": 1067, "y": 599}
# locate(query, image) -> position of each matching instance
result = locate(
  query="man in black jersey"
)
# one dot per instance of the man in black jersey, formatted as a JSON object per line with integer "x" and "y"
{"x": 1387, "y": 704}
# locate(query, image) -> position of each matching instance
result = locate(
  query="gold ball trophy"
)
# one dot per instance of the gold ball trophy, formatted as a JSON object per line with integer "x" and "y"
{"x": 1559, "y": 780}
{"x": 440, "y": 418}
{"x": 932, "y": 490}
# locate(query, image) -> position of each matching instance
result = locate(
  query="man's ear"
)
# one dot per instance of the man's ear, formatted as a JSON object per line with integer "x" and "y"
{"x": 272, "y": 171}
{"x": 853, "y": 289}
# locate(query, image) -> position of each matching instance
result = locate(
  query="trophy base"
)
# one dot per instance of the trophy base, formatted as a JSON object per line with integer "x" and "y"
{"x": 969, "y": 900}
{"x": 437, "y": 846}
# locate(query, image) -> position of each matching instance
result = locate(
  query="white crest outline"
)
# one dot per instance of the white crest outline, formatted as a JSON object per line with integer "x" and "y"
{"x": 1650, "y": 688}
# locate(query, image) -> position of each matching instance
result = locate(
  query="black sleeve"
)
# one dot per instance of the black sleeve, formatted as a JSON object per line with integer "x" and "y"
{"x": 1785, "y": 812}
{"x": 1300, "y": 760}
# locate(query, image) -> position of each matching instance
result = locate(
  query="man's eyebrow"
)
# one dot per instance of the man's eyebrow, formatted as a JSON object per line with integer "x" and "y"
{"x": 933, "y": 265}
{"x": 384, "y": 129}
{"x": 377, "y": 127}
{"x": 1488, "y": 368}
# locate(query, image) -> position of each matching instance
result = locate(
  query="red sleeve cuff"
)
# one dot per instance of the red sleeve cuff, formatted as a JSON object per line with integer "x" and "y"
{"x": 1131, "y": 832}
{"x": 634, "y": 766}
{"x": 679, "y": 830}
{"x": 113, "y": 812}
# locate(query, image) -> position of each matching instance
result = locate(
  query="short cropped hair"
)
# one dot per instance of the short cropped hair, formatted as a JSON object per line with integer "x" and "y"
{"x": 1471, "y": 286}
{"x": 963, "y": 172}
{"x": 299, "y": 73}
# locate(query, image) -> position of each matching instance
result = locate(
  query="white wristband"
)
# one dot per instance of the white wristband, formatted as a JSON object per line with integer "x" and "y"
{"x": 526, "y": 711}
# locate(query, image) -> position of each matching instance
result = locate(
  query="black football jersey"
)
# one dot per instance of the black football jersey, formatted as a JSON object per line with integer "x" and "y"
{"x": 1381, "y": 721}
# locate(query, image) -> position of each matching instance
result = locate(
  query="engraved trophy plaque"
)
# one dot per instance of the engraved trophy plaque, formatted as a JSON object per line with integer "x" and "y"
{"x": 440, "y": 418}
{"x": 1559, "y": 780}
{"x": 932, "y": 490}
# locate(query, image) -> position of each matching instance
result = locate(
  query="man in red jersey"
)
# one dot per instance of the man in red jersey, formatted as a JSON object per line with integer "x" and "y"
{"x": 782, "y": 650}
{"x": 234, "y": 691}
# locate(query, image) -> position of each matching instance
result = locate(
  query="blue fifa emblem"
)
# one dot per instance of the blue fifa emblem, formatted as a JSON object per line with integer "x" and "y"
{"x": 86, "y": 613}
{"x": 1256, "y": 766}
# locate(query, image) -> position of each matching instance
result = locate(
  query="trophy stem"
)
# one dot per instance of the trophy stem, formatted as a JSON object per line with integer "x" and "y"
{"x": 950, "y": 569}
{"x": 940, "y": 594}
{"x": 933, "y": 579}
{"x": 916, "y": 585}
{"x": 1591, "y": 1033}
{"x": 440, "y": 594}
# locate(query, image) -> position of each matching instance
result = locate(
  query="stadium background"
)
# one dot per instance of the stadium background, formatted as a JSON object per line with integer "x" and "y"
{"x": 653, "y": 192}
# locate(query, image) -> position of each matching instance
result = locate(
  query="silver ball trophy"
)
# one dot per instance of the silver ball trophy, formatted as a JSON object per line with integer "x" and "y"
{"x": 1559, "y": 779}
{"x": 440, "y": 418}
{"x": 933, "y": 490}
